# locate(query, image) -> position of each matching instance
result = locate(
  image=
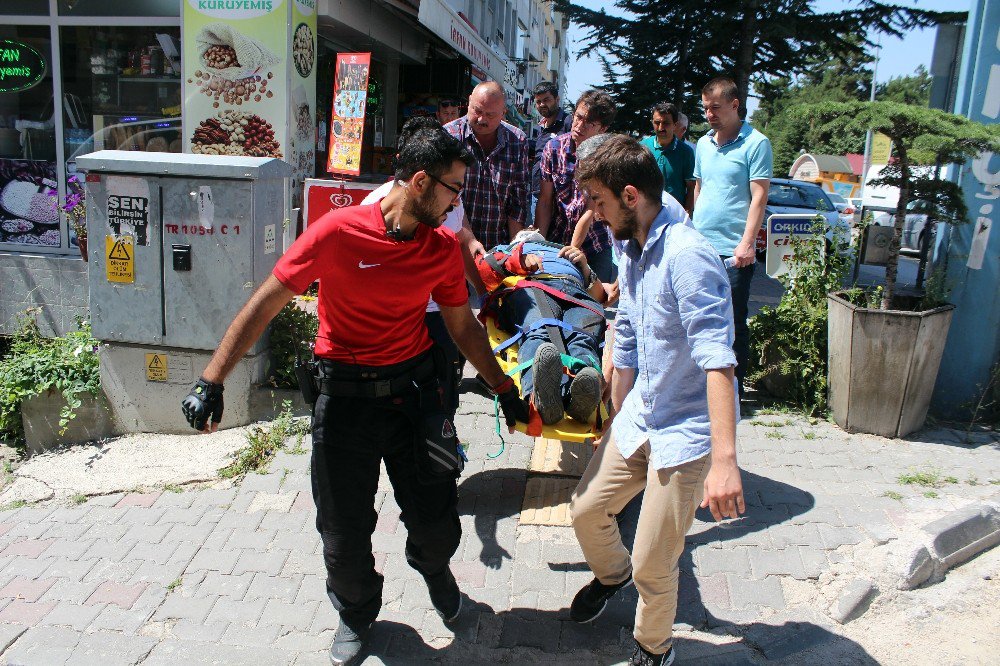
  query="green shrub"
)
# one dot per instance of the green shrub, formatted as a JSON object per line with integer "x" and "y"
{"x": 34, "y": 365}
{"x": 293, "y": 328}
{"x": 788, "y": 343}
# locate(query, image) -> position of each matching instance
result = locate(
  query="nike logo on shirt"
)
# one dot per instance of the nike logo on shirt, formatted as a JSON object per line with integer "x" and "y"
{"x": 362, "y": 264}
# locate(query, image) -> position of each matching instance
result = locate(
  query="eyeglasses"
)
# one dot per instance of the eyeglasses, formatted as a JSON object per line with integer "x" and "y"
{"x": 457, "y": 192}
{"x": 447, "y": 103}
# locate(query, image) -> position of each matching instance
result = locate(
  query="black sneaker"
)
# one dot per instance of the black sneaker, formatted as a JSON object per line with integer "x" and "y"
{"x": 642, "y": 657}
{"x": 445, "y": 595}
{"x": 584, "y": 394}
{"x": 590, "y": 601}
{"x": 546, "y": 373}
{"x": 348, "y": 644}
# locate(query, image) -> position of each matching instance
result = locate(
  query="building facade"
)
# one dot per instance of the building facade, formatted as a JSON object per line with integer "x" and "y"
{"x": 85, "y": 75}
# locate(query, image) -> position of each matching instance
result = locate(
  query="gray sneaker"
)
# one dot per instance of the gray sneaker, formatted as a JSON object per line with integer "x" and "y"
{"x": 584, "y": 394}
{"x": 348, "y": 644}
{"x": 547, "y": 376}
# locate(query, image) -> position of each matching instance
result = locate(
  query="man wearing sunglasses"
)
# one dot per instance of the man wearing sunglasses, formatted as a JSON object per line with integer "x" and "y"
{"x": 448, "y": 110}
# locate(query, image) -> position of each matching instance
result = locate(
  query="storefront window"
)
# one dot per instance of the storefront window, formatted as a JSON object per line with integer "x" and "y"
{"x": 28, "y": 211}
{"x": 122, "y": 87}
{"x": 118, "y": 7}
{"x": 24, "y": 8}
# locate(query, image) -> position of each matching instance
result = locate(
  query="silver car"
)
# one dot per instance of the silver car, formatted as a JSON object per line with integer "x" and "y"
{"x": 915, "y": 232}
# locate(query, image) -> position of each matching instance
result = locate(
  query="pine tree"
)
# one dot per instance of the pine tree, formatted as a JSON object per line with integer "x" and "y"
{"x": 654, "y": 50}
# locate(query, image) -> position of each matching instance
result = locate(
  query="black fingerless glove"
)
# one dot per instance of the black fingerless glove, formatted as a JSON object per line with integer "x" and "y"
{"x": 513, "y": 406}
{"x": 204, "y": 401}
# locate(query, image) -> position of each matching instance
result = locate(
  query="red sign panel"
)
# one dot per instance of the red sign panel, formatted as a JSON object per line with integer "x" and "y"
{"x": 347, "y": 122}
{"x": 322, "y": 196}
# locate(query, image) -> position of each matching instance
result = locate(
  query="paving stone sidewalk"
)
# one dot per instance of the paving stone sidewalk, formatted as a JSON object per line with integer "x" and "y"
{"x": 235, "y": 575}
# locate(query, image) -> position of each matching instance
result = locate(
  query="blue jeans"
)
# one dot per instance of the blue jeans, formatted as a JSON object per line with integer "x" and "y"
{"x": 739, "y": 283}
{"x": 520, "y": 309}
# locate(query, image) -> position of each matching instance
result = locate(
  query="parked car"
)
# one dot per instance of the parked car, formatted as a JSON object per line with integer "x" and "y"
{"x": 915, "y": 231}
{"x": 843, "y": 206}
{"x": 801, "y": 198}
{"x": 856, "y": 205}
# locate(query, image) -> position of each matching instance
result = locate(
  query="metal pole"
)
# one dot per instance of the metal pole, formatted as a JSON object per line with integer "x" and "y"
{"x": 868, "y": 135}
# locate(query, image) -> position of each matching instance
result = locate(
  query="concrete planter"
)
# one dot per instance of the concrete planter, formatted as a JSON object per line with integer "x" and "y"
{"x": 40, "y": 416}
{"x": 883, "y": 365}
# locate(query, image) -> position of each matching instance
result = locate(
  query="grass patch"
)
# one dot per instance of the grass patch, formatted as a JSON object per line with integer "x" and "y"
{"x": 775, "y": 434}
{"x": 809, "y": 435}
{"x": 173, "y": 585}
{"x": 16, "y": 504}
{"x": 930, "y": 494}
{"x": 930, "y": 478}
{"x": 973, "y": 480}
{"x": 78, "y": 498}
{"x": 265, "y": 442}
{"x": 892, "y": 494}
{"x": 173, "y": 488}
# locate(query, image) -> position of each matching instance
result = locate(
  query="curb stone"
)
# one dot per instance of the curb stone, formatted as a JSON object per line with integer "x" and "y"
{"x": 853, "y": 601}
{"x": 951, "y": 540}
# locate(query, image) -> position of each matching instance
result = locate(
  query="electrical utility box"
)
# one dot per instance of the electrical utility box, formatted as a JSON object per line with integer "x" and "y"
{"x": 177, "y": 244}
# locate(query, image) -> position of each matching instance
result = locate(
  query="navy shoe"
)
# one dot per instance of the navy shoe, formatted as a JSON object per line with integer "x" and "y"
{"x": 643, "y": 657}
{"x": 590, "y": 601}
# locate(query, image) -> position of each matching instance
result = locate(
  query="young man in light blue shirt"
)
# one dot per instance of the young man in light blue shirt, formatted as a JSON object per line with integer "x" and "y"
{"x": 674, "y": 433}
{"x": 732, "y": 170}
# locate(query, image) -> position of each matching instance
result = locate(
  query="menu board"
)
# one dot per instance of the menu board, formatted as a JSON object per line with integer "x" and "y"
{"x": 347, "y": 124}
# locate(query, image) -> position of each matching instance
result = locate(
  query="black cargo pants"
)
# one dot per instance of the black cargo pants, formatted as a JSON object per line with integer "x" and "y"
{"x": 350, "y": 437}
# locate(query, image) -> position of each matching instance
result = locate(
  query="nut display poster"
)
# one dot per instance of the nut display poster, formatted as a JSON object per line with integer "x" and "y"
{"x": 236, "y": 77}
{"x": 347, "y": 124}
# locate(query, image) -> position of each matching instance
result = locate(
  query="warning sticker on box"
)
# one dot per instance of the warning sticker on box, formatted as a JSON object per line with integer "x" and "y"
{"x": 156, "y": 368}
{"x": 120, "y": 255}
{"x": 270, "y": 239}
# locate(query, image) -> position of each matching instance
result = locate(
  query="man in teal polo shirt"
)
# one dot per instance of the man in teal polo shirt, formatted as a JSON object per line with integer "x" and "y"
{"x": 732, "y": 170}
{"x": 674, "y": 157}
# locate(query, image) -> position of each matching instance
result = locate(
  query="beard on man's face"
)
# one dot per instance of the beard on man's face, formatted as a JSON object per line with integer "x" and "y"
{"x": 423, "y": 210}
{"x": 627, "y": 226}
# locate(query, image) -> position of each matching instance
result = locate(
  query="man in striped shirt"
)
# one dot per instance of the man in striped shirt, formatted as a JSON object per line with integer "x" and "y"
{"x": 496, "y": 186}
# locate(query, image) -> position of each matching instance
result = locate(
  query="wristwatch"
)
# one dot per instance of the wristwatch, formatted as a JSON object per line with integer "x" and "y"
{"x": 593, "y": 279}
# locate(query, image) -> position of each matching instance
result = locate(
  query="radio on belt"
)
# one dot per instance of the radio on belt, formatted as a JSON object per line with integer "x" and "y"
{"x": 186, "y": 241}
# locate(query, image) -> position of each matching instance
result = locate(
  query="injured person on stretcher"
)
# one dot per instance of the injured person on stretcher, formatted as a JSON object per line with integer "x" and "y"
{"x": 546, "y": 297}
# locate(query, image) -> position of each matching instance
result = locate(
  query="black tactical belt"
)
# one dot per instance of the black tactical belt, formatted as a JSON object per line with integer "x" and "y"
{"x": 343, "y": 380}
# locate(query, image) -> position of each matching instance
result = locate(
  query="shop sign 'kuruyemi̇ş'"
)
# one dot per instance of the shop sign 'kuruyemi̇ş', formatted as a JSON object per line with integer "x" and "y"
{"x": 242, "y": 9}
{"x": 21, "y": 67}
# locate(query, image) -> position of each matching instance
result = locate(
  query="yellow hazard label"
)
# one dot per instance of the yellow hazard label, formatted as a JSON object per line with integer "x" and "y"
{"x": 156, "y": 367}
{"x": 120, "y": 255}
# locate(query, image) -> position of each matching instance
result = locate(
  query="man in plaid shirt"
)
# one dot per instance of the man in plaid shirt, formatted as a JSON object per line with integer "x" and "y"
{"x": 561, "y": 204}
{"x": 495, "y": 195}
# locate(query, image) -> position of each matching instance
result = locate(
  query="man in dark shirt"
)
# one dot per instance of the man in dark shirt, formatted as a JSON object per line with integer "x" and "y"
{"x": 555, "y": 121}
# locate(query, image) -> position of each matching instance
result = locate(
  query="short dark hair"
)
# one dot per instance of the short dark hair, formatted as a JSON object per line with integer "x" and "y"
{"x": 415, "y": 124}
{"x": 666, "y": 109}
{"x": 432, "y": 151}
{"x": 621, "y": 161}
{"x": 724, "y": 85}
{"x": 545, "y": 87}
{"x": 600, "y": 106}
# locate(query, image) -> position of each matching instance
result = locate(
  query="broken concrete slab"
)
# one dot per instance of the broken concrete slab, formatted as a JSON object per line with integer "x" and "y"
{"x": 124, "y": 463}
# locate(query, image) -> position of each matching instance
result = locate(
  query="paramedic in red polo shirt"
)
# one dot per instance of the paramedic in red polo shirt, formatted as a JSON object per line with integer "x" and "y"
{"x": 378, "y": 382}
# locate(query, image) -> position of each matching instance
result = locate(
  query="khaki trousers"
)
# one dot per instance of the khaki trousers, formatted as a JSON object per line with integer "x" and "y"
{"x": 669, "y": 503}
